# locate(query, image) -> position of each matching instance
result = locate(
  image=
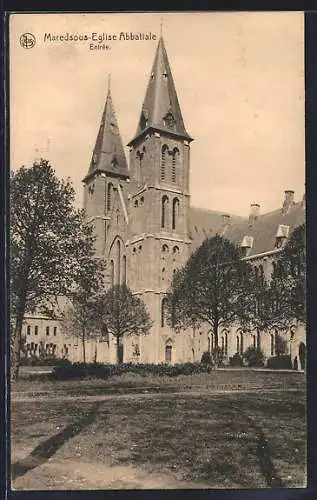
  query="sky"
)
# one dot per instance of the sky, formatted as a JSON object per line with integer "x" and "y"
{"x": 239, "y": 78}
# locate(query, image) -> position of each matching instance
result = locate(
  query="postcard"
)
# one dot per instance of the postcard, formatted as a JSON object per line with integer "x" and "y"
{"x": 158, "y": 262}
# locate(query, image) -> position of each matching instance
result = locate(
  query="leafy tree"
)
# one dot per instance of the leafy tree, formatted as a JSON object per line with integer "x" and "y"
{"x": 215, "y": 287}
{"x": 48, "y": 243}
{"x": 288, "y": 284}
{"x": 123, "y": 314}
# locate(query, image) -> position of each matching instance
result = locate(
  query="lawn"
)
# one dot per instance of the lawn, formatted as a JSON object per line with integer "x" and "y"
{"x": 196, "y": 438}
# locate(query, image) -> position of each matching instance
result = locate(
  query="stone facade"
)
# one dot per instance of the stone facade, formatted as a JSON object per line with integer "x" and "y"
{"x": 145, "y": 227}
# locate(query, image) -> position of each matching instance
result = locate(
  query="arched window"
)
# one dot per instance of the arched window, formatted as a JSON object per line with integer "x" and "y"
{"x": 118, "y": 261}
{"x": 109, "y": 196}
{"x": 225, "y": 336}
{"x": 163, "y": 311}
{"x": 222, "y": 344}
{"x": 111, "y": 272}
{"x": 118, "y": 216}
{"x": 164, "y": 248}
{"x": 212, "y": 341}
{"x": 163, "y": 161}
{"x": 175, "y": 250}
{"x": 273, "y": 269}
{"x": 256, "y": 272}
{"x": 163, "y": 273}
{"x": 174, "y": 160}
{"x": 139, "y": 157}
{"x": 238, "y": 344}
{"x": 124, "y": 269}
{"x": 209, "y": 344}
{"x": 175, "y": 212}
{"x": 136, "y": 204}
{"x": 241, "y": 343}
{"x": 164, "y": 211}
{"x": 254, "y": 341}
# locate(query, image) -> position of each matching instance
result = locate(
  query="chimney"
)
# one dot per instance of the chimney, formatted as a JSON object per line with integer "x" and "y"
{"x": 288, "y": 201}
{"x": 225, "y": 219}
{"x": 254, "y": 212}
{"x": 225, "y": 223}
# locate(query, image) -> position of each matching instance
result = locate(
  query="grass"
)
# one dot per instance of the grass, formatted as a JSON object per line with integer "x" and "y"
{"x": 129, "y": 382}
{"x": 233, "y": 440}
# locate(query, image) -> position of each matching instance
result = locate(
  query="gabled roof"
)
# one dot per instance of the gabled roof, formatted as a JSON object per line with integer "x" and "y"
{"x": 161, "y": 109}
{"x": 108, "y": 155}
{"x": 263, "y": 229}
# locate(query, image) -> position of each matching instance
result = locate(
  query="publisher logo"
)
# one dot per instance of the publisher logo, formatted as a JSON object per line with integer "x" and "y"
{"x": 27, "y": 40}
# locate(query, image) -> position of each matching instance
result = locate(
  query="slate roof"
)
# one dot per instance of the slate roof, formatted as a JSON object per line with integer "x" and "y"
{"x": 206, "y": 223}
{"x": 161, "y": 109}
{"x": 108, "y": 155}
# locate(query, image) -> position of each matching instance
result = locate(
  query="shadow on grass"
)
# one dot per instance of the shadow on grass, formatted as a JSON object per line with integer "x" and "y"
{"x": 264, "y": 456}
{"x": 48, "y": 448}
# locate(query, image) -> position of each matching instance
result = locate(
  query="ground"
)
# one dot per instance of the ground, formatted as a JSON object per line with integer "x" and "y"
{"x": 227, "y": 429}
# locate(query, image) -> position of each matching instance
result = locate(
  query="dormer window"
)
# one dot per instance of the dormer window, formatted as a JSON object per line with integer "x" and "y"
{"x": 169, "y": 120}
{"x": 144, "y": 119}
{"x": 152, "y": 75}
{"x": 165, "y": 75}
{"x": 114, "y": 162}
{"x": 246, "y": 245}
{"x": 281, "y": 236}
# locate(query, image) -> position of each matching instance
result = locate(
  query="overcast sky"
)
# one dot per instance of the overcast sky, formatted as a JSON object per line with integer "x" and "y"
{"x": 239, "y": 79}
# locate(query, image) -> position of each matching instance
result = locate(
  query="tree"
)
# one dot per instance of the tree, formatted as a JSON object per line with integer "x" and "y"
{"x": 288, "y": 284}
{"x": 123, "y": 314}
{"x": 215, "y": 287}
{"x": 48, "y": 242}
{"x": 81, "y": 316}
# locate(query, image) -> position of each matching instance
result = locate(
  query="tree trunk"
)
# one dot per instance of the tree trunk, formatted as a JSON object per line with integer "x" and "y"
{"x": 258, "y": 339}
{"x": 216, "y": 348}
{"x": 119, "y": 360}
{"x": 83, "y": 339}
{"x": 16, "y": 344}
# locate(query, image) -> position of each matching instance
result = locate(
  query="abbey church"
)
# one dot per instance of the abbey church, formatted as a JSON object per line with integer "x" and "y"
{"x": 146, "y": 228}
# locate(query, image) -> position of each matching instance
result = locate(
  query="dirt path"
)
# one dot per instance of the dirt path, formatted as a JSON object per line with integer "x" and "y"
{"x": 17, "y": 397}
{"x": 80, "y": 475}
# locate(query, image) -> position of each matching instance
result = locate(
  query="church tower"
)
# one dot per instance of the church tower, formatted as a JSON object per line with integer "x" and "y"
{"x": 108, "y": 167}
{"x": 159, "y": 203}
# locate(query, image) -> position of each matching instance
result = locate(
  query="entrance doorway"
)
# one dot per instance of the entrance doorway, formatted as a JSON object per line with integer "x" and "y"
{"x": 168, "y": 354}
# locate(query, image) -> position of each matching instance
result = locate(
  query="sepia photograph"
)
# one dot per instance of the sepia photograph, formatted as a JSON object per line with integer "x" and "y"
{"x": 157, "y": 251}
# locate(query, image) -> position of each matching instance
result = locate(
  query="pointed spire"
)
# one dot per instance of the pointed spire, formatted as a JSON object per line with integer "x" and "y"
{"x": 108, "y": 155}
{"x": 161, "y": 108}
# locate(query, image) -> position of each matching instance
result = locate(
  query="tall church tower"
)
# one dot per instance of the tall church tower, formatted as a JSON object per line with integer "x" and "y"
{"x": 159, "y": 202}
{"x": 108, "y": 167}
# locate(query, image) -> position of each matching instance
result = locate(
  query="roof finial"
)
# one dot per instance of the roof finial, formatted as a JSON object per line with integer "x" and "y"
{"x": 161, "y": 27}
{"x": 109, "y": 82}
